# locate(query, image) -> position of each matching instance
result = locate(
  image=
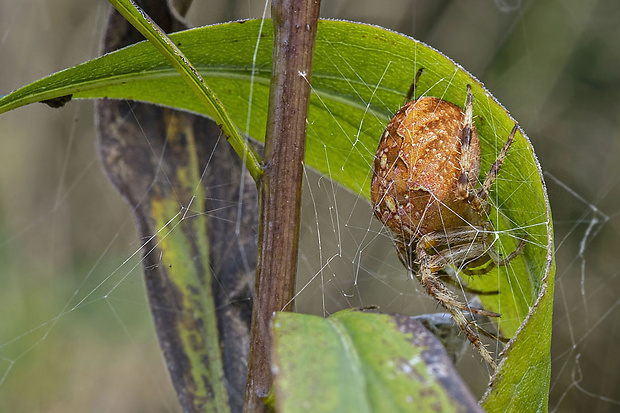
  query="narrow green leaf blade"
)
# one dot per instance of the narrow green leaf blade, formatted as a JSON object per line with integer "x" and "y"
{"x": 188, "y": 73}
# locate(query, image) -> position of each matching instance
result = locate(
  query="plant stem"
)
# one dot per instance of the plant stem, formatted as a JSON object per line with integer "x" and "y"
{"x": 295, "y": 25}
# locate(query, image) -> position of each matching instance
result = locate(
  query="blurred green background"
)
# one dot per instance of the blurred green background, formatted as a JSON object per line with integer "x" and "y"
{"x": 75, "y": 330}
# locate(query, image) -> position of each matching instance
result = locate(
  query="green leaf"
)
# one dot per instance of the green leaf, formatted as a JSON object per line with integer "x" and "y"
{"x": 184, "y": 68}
{"x": 190, "y": 280}
{"x": 522, "y": 382}
{"x": 360, "y": 77}
{"x": 362, "y": 362}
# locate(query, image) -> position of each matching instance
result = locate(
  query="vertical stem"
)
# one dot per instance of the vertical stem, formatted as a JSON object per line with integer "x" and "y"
{"x": 295, "y": 24}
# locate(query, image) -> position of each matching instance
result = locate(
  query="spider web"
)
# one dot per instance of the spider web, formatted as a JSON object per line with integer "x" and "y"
{"x": 74, "y": 321}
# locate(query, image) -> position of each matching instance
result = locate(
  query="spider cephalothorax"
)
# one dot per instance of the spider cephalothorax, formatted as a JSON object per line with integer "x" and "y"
{"x": 424, "y": 190}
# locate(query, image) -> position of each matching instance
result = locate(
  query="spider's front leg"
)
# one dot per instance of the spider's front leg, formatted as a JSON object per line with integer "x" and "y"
{"x": 495, "y": 260}
{"x": 470, "y": 161}
{"x": 453, "y": 246}
{"x": 447, "y": 299}
{"x": 428, "y": 265}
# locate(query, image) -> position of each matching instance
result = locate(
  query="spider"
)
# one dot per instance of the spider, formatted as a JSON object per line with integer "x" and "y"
{"x": 424, "y": 190}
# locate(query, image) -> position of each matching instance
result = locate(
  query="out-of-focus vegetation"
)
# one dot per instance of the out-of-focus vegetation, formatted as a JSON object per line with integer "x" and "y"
{"x": 64, "y": 230}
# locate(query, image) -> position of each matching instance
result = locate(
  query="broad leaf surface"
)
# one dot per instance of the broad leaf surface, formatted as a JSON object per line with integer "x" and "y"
{"x": 363, "y": 362}
{"x": 360, "y": 78}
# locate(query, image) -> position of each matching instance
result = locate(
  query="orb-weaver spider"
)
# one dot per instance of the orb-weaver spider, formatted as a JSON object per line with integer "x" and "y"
{"x": 424, "y": 189}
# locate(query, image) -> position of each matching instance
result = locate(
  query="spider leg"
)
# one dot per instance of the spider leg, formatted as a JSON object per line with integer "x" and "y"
{"x": 504, "y": 261}
{"x": 492, "y": 336}
{"x": 488, "y": 266}
{"x": 436, "y": 262}
{"x": 464, "y": 188}
{"x": 437, "y": 251}
{"x": 470, "y": 243}
{"x": 411, "y": 92}
{"x": 477, "y": 200}
{"x": 436, "y": 241}
{"x": 453, "y": 236}
{"x": 483, "y": 192}
{"x": 466, "y": 247}
{"x": 485, "y": 320}
{"x": 447, "y": 279}
{"x": 496, "y": 260}
{"x": 448, "y": 300}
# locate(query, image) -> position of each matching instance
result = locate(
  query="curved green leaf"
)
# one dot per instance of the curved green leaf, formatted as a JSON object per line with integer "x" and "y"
{"x": 360, "y": 77}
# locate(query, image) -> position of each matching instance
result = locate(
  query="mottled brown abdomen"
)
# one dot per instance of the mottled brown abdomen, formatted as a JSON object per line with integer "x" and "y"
{"x": 417, "y": 166}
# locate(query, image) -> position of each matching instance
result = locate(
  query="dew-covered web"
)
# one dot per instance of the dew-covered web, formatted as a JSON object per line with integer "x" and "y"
{"x": 75, "y": 329}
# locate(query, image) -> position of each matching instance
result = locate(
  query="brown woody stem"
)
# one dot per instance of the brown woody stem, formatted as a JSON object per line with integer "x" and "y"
{"x": 295, "y": 25}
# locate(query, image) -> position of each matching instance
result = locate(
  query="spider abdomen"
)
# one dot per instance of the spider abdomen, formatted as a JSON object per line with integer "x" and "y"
{"x": 417, "y": 167}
